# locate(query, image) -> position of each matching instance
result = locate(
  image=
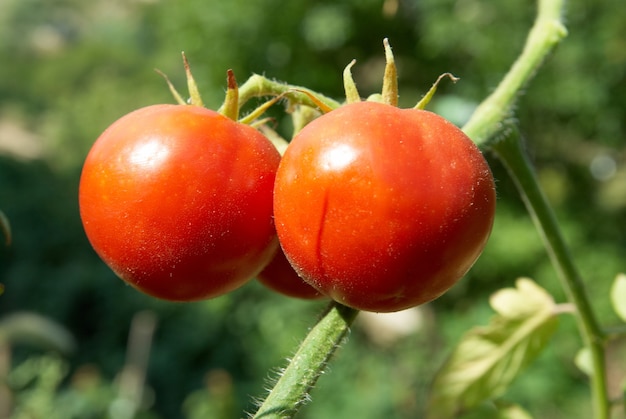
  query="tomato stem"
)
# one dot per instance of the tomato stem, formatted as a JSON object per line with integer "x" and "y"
{"x": 259, "y": 86}
{"x": 292, "y": 389}
{"x": 511, "y": 153}
{"x": 546, "y": 33}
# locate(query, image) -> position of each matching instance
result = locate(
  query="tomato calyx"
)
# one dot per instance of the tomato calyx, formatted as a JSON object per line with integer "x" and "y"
{"x": 192, "y": 87}
{"x": 349, "y": 86}
{"x": 231, "y": 106}
{"x": 390, "y": 78}
{"x": 431, "y": 92}
{"x": 389, "y": 92}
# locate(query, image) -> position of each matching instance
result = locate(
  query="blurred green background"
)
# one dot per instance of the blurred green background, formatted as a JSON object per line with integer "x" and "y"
{"x": 69, "y": 68}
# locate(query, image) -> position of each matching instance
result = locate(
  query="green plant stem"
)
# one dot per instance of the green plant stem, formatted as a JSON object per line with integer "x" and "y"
{"x": 489, "y": 120}
{"x": 292, "y": 389}
{"x": 511, "y": 153}
{"x": 259, "y": 86}
{"x": 546, "y": 33}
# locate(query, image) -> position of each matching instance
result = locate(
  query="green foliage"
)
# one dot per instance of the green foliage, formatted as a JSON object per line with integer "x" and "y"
{"x": 37, "y": 382}
{"x": 489, "y": 358}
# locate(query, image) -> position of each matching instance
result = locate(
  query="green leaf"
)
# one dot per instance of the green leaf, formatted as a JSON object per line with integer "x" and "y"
{"x": 618, "y": 296}
{"x": 489, "y": 358}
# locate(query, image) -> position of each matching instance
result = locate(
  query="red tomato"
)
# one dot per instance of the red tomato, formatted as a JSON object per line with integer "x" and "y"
{"x": 280, "y": 276}
{"x": 383, "y": 208}
{"x": 177, "y": 200}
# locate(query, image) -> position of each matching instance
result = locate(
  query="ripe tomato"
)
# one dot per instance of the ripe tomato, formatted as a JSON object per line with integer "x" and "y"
{"x": 177, "y": 200}
{"x": 382, "y": 208}
{"x": 280, "y": 276}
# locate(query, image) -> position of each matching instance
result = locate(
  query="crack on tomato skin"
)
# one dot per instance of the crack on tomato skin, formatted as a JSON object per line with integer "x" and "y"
{"x": 320, "y": 233}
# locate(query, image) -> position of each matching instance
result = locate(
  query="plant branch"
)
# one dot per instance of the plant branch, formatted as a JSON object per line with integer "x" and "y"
{"x": 547, "y": 31}
{"x": 292, "y": 389}
{"x": 511, "y": 153}
{"x": 259, "y": 86}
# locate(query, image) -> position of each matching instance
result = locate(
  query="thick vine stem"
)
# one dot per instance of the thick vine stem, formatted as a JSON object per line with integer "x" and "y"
{"x": 292, "y": 389}
{"x": 510, "y": 151}
{"x": 546, "y": 33}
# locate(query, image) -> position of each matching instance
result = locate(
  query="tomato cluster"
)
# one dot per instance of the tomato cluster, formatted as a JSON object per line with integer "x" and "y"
{"x": 376, "y": 207}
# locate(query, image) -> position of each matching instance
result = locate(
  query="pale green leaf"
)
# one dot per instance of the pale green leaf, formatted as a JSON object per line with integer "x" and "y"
{"x": 489, "y": 358}
{"x": 521, "y": 302}
{"x": 618, "y": 296}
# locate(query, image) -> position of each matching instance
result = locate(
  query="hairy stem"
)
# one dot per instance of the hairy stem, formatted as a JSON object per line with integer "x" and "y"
{"x": 511, "y": 153}
{"x": 547, "y": 32}
{"x": 292, "y": 389}
{"x": 259, "y": 86}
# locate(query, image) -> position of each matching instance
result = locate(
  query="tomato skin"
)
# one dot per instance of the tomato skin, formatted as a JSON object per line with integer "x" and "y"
{"x": 280, "y": 277}
{"x": 382, "y": 208}
{"x": 177, "y": 200}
